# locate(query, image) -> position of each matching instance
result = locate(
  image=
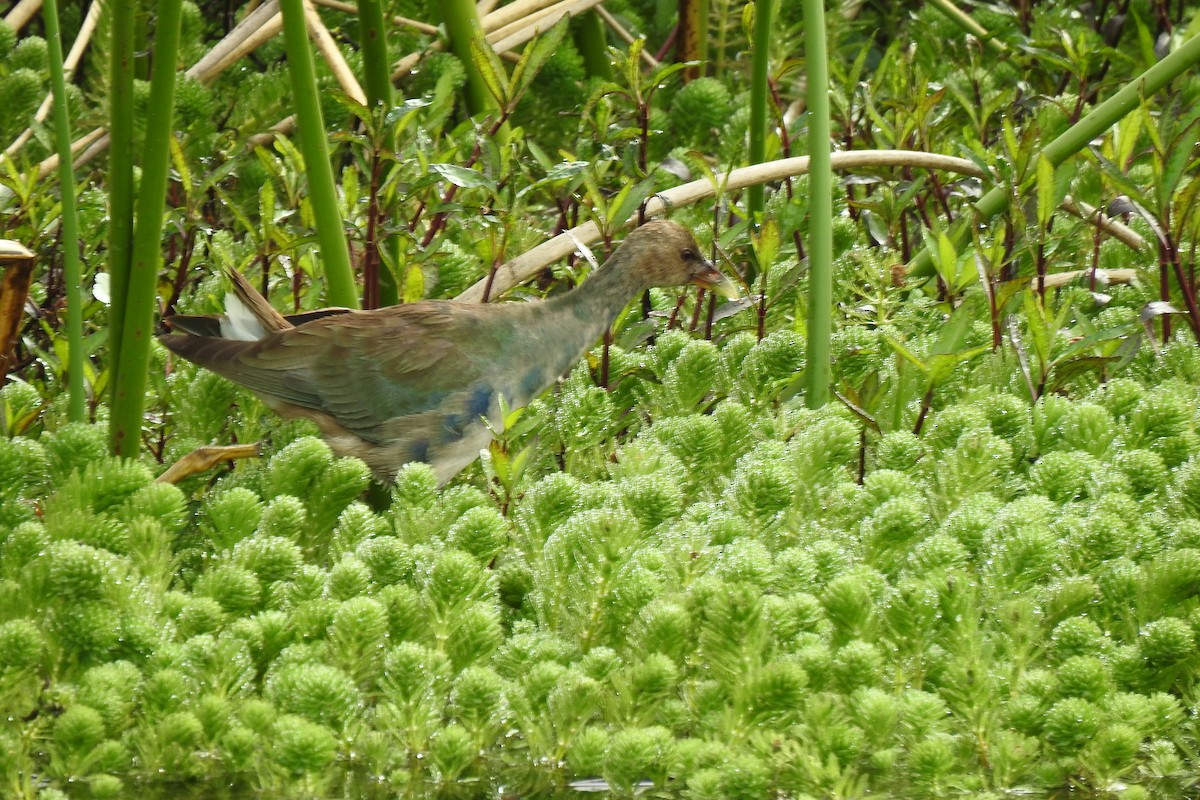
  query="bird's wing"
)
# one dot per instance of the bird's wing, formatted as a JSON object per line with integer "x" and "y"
{"x": 367, "y": 369}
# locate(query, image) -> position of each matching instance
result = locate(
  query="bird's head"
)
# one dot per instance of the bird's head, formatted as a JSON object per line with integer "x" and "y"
{"x": 666, "y": 254}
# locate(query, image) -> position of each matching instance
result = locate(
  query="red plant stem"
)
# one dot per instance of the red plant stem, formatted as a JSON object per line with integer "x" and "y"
{"x": 926, "y": 402}
{"x": 439, "y": 219}
{"x": 370, "y": 263}
{"x": 1189, "y": 294}
{"x": 696, "y": 310}
{"x": 708, "y": 319}
{"x": 668, "y": 44}
{"x": 675, "y": 311}
{"x": 1164, "y": 288}
{"x": 185, "y": 260}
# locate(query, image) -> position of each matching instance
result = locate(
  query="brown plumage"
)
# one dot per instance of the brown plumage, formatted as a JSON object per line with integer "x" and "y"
{"x": 418, "y": 382}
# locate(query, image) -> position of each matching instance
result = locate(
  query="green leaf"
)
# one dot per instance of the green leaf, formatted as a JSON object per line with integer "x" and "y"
{"x": 633, "y": 72}
{"x": 404, "y": 111}
{"x": 501, "y": 463}
{"x": 1121, "y": 181}
{"x": 414, "y": 283}
{"x": 266, "y": 210}
{"x": 766, "y": 243}
{"x": 535, "y": 56}
{"x": 954, "y": 332}
{"x": 628, "y": 199}
{"x": 1096, "y": 339}
{"x": 1180, "y": 152}
{"x": 462, "y": 177}
{"x": 1041, "y": 327}
{"x": 565, "y": 169}
{"x": 490, "y": 70}
{"x": 180, "y": 163}
{"x": 941, "y": 365}
{"x": 945, "y": 257}
{"x": 1045, "y": 191}
{"x": 907, "y": 354}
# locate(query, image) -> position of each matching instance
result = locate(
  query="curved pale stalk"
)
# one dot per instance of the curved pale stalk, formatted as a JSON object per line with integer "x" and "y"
{"x": 21, "y": 13}
{"x": 533, "y": 261}
{"x": 328, "y": 48}
{"x": 517, "y": 10}
{"x": 623, "y": 34}
{"x": 968, "y": 24}
{"x": 397, "y": 20}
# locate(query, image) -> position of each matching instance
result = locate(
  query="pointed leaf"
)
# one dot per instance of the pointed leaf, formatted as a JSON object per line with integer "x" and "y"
{"x": 461, "y": 176}
{"x": 907, "y": 354}
{"x": 632, "y": 66}
{"x": 535, "y": 56}
{"x": 180, "y": 163}
{"x": 629, "y": 198}
{"x": 941, "y": 365}
{"x": 766, "y": 243}
{"x": 414, "y": 284}
{"x": 954, "y": 332}
{"x": 490, "y": 70}
{"x": 1045, "y": 191}
{"x": 1179, "y": 155}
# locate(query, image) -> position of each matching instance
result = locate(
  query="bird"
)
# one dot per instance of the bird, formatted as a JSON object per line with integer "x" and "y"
{"x": 428, "y": 381}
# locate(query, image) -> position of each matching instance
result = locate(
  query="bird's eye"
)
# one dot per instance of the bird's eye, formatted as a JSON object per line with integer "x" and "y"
{"x": 687, "y": 255}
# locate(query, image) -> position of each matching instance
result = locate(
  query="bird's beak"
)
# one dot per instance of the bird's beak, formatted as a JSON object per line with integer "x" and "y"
{"x": 711, "y": 278}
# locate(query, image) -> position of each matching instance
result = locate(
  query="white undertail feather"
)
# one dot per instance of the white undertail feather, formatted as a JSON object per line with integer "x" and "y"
{"x": 239, "y": 323}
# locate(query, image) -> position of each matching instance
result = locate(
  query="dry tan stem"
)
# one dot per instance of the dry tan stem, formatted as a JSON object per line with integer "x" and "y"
{"x": 205, "y": 458}
{"x": 484, "y": 7}
{"x": 333, "y": 55}
{"x": 536, "y": 20}
{"x": 399, "y": 21}
{"x": 1112, "y": 227}
{"x": 533, "y": 261}
{"x": 257, "y": 27}
{"x": 69, "y": 63}
{"x": 22, "y": 12}
{"x": 1104, "y": 276}
{"x": 625, "y": 35}
{"x": 517, "y": 10}
{"x": 83, "y": 149}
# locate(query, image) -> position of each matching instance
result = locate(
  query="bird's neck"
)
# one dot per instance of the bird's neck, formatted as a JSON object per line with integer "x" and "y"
{"x": 588, "y": 310}
{"x": 591, "y": 307}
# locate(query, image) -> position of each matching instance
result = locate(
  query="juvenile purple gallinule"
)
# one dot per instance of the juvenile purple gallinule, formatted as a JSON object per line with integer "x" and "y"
{"x": 416, "y": 382}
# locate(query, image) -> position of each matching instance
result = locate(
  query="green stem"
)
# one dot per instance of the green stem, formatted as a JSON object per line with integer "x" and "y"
{"x": 120, "y": 181}
{"x": 763, "y": 12}
{"x": 1074, "y": 139}
{"x": 377, "y": 72}
{"x": 129, "y": 394}
{"x": 592, "y": 41}
{"x": 968, "y": 24}
{"x": 331, "y": 236}
{"x": 72, "y": 273}
{"x": 462, "y": 25}
{"x": 820, "y": 209}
